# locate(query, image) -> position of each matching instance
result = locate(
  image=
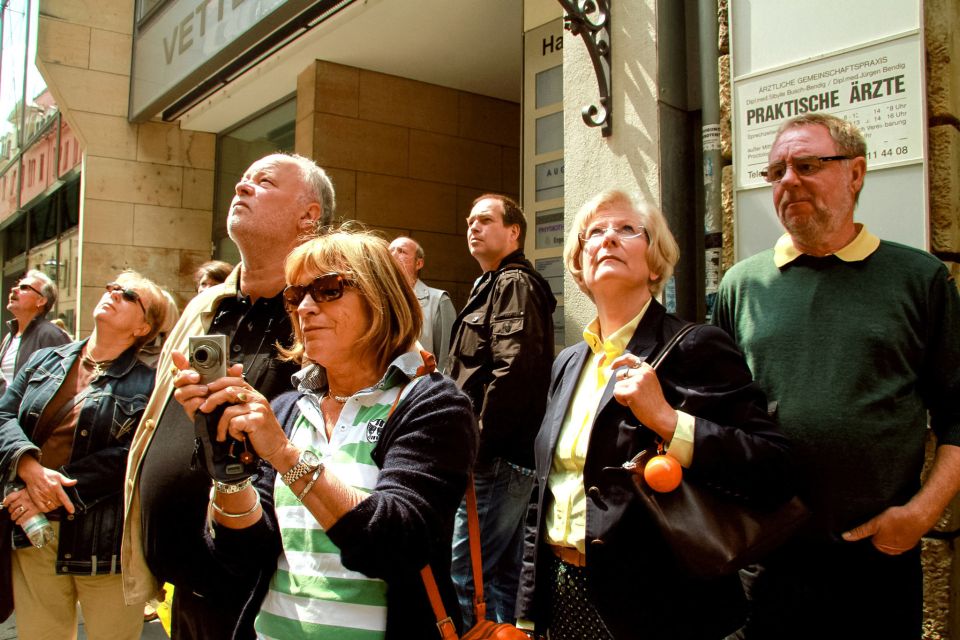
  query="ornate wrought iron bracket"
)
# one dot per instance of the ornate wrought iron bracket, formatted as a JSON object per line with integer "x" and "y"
{"x": 591, "y": 20}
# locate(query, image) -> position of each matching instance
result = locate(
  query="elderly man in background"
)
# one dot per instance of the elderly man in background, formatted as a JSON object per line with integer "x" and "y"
{"x": 438, "y": 311}
{"x": 280, "y": 201}
{"x": 855, "y": 341}
{"x": 30, "y": 299}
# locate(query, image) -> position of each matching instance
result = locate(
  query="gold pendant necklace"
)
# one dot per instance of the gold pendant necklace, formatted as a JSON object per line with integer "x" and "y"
{"x": 99, "y": 368}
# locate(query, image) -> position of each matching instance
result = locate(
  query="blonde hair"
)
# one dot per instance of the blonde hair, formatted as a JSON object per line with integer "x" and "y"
{"x": 154, "y": 302}
{"x": 662, "y": 249}
{"x": 364, "y": 259}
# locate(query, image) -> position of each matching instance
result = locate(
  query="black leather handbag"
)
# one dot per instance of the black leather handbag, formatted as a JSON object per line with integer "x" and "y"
{"x": 712, "y": 534}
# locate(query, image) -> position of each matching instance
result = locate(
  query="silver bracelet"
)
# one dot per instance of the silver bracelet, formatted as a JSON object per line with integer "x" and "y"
{"x": 236, "y": 487}
{"x": 313, "y": 478}
{"x": 227, "y": 514}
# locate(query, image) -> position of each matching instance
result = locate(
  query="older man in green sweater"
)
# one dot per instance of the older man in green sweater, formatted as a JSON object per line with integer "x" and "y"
{"x": 855, "y": 341}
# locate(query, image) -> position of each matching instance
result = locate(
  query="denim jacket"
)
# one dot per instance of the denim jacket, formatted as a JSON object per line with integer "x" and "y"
{"x": 89, "y": 538}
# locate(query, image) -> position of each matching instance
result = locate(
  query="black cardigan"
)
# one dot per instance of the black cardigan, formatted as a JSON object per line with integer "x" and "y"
{"x": 637, "y": 586}
{"x": 425, "y": 454}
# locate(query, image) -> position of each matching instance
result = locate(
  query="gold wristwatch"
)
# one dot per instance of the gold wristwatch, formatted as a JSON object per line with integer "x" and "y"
{"x": 307, "y": 463}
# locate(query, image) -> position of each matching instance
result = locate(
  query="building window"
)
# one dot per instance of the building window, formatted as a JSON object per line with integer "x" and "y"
{"x": 147, "y": 8}
{"x": 268, "y": 132}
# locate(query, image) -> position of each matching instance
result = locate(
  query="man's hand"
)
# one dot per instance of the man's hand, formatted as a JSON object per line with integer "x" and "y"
{"x": 894, "y": 531}
{"x": 898, "y": 529}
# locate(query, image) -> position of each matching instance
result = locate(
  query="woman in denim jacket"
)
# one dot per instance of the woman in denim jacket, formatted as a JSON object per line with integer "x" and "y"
{"x": 66, "y": 422}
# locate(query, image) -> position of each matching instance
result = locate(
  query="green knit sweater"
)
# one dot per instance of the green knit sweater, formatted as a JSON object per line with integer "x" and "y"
{"x": 853, "y": 354}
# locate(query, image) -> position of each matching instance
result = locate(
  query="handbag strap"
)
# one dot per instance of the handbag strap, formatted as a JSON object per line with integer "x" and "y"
{"x": 444, "y": 624}
{"x": 476, "y": 556}
{"x": 447, "y": 630}
{"x": 40, "y": 437}
{"x": 674, "y": 341}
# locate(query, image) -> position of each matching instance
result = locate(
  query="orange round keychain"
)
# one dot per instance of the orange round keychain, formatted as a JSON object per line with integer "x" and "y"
{"x": 663, "y": 473}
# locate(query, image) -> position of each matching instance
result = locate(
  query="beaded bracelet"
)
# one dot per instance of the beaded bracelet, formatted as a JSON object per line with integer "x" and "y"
{"x": 313, "y": 478}
{"x": 227, "y": 514}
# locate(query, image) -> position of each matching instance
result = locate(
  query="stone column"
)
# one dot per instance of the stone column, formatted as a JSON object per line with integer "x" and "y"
{"x": 629, "y": 158}
{"x": 146, "y": 190}
{"x": 941, "y": 562}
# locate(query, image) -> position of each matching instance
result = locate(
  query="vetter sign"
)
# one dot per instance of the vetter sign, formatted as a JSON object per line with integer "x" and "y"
{"x": 191, "y": 39}
{"x": 877, "y": 88}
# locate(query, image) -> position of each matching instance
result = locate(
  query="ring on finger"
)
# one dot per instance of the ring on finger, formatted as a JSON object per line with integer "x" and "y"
{"x": 241, "y": 396}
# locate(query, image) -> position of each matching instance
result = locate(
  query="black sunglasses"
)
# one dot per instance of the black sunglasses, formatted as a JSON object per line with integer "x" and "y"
{"x": 23, "y": 286}
{"x": 323, "y": 288}
{"x": 129, "y": 295}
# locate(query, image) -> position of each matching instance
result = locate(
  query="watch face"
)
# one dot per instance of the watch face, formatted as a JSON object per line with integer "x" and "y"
{"x": 310, "y": 458}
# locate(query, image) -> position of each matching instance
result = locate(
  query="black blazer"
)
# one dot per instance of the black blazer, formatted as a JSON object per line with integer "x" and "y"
{"x": 634, "y": 582}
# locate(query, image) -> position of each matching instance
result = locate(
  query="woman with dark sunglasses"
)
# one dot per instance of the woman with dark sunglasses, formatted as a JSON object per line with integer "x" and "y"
{"x": 365, "y": 463}
{"x": 66, "y": 422}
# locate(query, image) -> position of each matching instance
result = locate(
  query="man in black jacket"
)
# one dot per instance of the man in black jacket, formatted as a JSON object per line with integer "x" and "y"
{"x": 29, "y": 301}
{"x": 500, "y": 356}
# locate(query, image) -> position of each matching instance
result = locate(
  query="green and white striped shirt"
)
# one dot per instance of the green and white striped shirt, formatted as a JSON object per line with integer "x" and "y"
{"x": 312, "y": 594}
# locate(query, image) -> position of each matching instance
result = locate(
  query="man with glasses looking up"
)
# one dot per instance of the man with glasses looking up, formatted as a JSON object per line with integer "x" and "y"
{"x": 855, "y": 341}
{"x": 29, "y": 301}
{"x": 280, "y": 201}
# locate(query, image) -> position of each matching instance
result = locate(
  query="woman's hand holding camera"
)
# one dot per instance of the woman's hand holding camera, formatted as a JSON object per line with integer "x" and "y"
{"x": 246, "y": 413}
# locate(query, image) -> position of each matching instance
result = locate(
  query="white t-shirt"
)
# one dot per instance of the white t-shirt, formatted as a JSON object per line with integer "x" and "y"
{"x": 10, "y": 360}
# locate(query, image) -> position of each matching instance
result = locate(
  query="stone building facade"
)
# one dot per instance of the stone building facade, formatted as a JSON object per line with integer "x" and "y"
{"x": 408, "y": 156}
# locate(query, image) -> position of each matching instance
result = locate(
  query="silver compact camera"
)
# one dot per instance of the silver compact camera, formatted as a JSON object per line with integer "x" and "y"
{"x": 208, "y": 356}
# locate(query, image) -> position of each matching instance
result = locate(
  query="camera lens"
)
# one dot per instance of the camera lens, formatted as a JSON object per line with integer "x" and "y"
{"x": 201, "y": 355}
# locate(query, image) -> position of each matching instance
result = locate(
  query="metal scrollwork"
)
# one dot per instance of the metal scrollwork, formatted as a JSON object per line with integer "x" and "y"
{"x": 590, "y": 19}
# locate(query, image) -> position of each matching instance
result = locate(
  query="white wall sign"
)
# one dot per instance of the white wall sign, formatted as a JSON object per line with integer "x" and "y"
{"x": 878, "y": 88}
{"x": 861, "y": 60}
{"x": 190, "y": 39}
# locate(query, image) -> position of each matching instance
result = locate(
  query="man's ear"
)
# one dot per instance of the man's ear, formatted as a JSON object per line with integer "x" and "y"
{"x": 515, "y": 234}
{"x": 418, "y": 264}
{"x": 858, "y": 169}
{"x": 310, "y": 216}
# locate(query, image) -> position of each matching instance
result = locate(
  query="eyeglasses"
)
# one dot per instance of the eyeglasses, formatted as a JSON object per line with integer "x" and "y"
{"x": 129, "y": 295}
{"x": 23, "y": 286}
{"x": 594, "y": 235}
{"x": 325, "y": 288}
{"x": 806, "y": 166}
